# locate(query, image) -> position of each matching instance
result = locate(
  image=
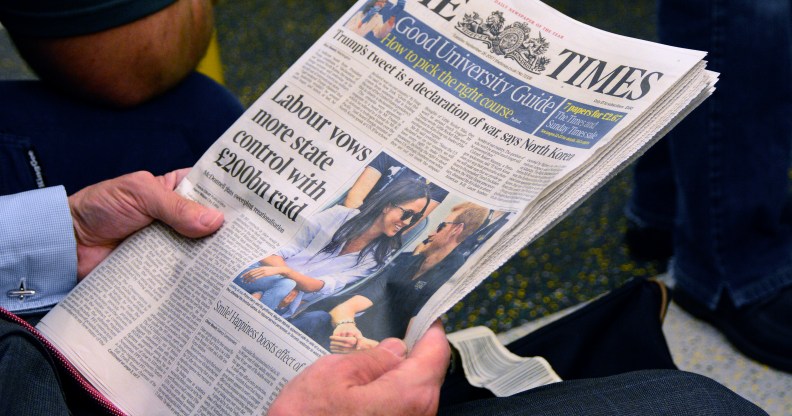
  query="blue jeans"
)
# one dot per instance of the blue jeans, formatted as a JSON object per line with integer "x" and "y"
{"x": 721, "y": 178}
{"x": 272, "y": 288}
{"x": 48, "y": 139}
{"x": 315, "y": 324}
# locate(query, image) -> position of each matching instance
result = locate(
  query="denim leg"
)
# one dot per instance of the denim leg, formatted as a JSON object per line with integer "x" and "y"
{"x": 646, "y": 393}
{"x": 652, "y": 202}
{"x": 315, "y": 324}
{"x": 48, "y": 139}
{"x": 731, "y": 157}
{"x": 278, "y": 288}
{"x": 272, "y": 288}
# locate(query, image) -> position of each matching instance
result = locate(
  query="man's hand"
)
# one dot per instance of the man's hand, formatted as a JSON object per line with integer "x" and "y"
{"x": 381, "y": 380}
{"x": 346, "y": 345}
{"x": 345, "y": 338}
{"x": 106, "y": 213}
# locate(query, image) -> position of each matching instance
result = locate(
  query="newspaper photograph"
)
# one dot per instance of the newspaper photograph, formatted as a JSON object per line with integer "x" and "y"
{"x": 402, "y": 159}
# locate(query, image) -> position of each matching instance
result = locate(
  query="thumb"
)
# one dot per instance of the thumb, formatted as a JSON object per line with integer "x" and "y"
{"x": 395, "y": 346}
{"x": 363, "y": 367}
{"x": 187, "y": 217}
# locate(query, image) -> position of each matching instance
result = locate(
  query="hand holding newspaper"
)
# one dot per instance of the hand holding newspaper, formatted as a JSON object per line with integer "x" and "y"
{"x": 409, "y": 153}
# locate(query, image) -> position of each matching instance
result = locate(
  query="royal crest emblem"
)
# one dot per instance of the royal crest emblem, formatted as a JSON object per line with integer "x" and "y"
{"x": 512, "y": 41}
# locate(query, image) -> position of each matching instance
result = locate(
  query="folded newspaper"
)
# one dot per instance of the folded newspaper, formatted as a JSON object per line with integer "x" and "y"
{"x": 413, "y": 149}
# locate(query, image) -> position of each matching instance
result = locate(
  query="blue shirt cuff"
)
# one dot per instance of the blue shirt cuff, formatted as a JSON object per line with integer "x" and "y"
{"x": 37, "y": 249}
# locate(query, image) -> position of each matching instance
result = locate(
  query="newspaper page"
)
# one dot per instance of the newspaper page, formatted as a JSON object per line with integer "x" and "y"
{"x": 411, "y": 151}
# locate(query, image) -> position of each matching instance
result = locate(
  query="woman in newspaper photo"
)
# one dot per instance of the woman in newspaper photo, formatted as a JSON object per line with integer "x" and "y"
{"x": 336, "y": 248}
{"x": 385, "y": 305}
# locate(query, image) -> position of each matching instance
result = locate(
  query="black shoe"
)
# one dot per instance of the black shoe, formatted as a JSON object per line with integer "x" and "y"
{"x": 762, "y": 331}
{"x": 648, "y": 243}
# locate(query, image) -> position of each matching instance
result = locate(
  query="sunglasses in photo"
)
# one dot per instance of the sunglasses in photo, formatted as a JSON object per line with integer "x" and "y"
{"x": 409, "y": 215}
{"x": 443, "y": 224}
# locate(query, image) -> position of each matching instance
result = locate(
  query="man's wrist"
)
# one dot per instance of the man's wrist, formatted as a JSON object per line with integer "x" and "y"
{"x": 38, "y": 240}
{"x": 344, "y": 322}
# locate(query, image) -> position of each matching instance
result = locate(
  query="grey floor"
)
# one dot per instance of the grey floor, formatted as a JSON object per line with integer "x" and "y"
{"x": 582, "y": 257}
{"x": 699, "y": 348}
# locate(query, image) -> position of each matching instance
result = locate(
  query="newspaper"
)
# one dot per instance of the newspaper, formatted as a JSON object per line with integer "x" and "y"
{"x": 489, "y": 364}
{"x": 344, "y": 187}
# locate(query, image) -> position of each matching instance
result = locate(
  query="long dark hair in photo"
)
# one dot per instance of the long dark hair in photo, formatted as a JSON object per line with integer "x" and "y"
{"x": 396, "y": 193}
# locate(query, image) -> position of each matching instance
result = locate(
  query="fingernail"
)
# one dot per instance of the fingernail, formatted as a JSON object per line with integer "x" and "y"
{"x": 395, "y": 345}
{"x": 209, "y": 217}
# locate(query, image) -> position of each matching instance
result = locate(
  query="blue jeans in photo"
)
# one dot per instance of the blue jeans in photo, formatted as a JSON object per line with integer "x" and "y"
{"x": 272, "y": 288}
{"x": 317, "y": 325}
{"x": 721, "y": 177}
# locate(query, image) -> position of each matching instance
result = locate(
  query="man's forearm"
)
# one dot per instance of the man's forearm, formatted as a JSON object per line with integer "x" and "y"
{"x": 347, "y": 310}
